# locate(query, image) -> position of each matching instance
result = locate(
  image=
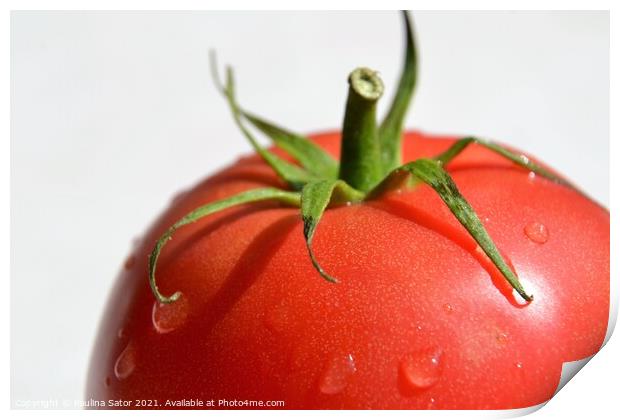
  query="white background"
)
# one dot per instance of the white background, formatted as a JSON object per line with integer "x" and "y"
{"x": 112, "y": 113}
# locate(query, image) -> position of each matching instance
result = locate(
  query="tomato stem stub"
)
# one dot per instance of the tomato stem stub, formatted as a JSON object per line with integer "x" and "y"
{"x": 360, "y": 156}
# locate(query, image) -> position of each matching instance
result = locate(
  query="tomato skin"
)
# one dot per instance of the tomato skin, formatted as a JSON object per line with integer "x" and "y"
{"x": 420, "y": 319}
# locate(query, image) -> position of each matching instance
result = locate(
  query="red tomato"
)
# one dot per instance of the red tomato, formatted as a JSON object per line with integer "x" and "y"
{"x": 420, "y": 319}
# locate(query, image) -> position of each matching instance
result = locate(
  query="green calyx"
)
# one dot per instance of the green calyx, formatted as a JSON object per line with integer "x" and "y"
{"x": 370, "y": 165}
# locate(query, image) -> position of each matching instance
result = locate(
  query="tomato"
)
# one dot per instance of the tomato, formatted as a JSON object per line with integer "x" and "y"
{"x": 420, "y": 318}
{"x": 445, "y": 273}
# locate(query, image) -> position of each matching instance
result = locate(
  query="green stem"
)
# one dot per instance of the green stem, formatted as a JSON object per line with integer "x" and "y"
{"x": 360, "y": 160}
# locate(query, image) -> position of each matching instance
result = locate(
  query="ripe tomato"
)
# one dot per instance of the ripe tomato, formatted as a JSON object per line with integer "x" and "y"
{"x": 420, "y": 318}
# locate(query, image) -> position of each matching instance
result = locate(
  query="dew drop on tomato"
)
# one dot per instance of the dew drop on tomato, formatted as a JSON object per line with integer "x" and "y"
{"x": 126, "y": 362}
{"x": 337, "y": 374}
{"x": 448, "y": 308}
{"x": 537, "y": 232}
{"x": 168, "y": 317}
{"x": 519, "y": 365}
{"x": 421, "y": 369}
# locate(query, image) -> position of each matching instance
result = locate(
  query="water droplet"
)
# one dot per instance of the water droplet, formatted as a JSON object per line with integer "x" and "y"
{"x": 501, "y": 337}
{"x": 531, "y": 176}
{"x": 486, "y": 220}
{"x": 169, "y": 317}
{"x": 349, "y": 203}
{"x": 448, "y": 308}
{"x": 126, "y": 362}
{"x": 107, "y": 381}
{"x": 422, "y": 369}
{"x": 537, "y": 232}
{"x": 337, "y": 373}
{"x": 130, "y": 262}
{"x": 431, "y": 404}
{"x": 277, "y": 319}
{"x": 519, "y": 365}
{"x": 418, "y": 327}
{"x": 524, "y": 159}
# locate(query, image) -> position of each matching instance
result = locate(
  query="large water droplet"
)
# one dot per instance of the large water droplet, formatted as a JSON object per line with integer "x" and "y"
{"x": 537, "y": 232}
{"x": 168, "y": 317}
{"x": 337, "y": 373}
{"x": 421, "y": 369}
{"x": 126, "y": 362}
